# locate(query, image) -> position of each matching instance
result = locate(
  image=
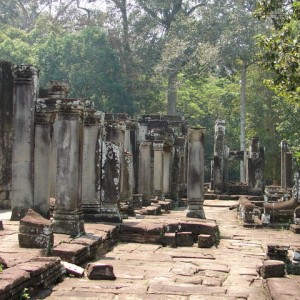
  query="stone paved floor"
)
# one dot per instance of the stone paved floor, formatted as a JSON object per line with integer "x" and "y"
{"x": 189, "y": 273}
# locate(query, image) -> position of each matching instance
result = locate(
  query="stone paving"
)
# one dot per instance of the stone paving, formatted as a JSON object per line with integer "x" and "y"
{"x": 147, "y": 271}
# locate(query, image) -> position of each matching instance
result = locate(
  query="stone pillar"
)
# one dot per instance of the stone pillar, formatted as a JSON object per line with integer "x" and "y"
{"x": 110, "y": 183}
{"x": 127, "y": 184}
{"x": 68, "y": 215}
{"x": 6, "y": 133}
{"x": 255, "y": 166}
{"x": 112, "y": 172}
{"x": 218, "y": 163}
{"x": 144, "y": 173}
{"x": 195, "y": 173}
{"x": 25, "y": 94}
{"x": 44, "y": 119}
{"x": 288, "y": 162}
{"x": 91, "y": 163}
{"x": 167, "y": 164}
{"x": 158, "y": 171}
{"x": 284, "y": 148}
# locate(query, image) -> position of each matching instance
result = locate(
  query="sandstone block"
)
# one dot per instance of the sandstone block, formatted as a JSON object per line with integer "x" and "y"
{"x": 205, "y": 241}
{"x": 272, "y": 268}
{"x": 99, "y": 271}
{"x": 35, "y": 231}
{"x": 184, "y": 239}
{"x": 295, "y": 228}
{"x": 169, "y": 239}
{"x": 1, "y": 225}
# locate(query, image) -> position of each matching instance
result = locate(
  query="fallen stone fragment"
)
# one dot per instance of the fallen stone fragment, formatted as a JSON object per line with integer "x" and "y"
{"x": 100, "y": 271}
{"x": 272, "y": 268}
{"x": 73, "y": 269}
{"x": 205, "y": 241}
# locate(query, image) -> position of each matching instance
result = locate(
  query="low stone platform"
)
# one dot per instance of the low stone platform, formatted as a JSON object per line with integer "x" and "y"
{"x": 152, "y": 271}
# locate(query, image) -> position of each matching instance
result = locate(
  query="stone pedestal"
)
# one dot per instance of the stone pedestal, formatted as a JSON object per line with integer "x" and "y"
{"x": 44, "y": 119}
{"x": 195, "y": 173}
{"x": 25, "y": 93}
{"x": 68, "y": 216}
{"x": 6, "y": 133}
{"x": 91, "y": 163}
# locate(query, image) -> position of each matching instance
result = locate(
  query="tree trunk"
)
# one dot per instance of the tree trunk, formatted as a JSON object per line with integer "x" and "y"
{"x": 243, "y": 120}
{"x": 172, "y": 94}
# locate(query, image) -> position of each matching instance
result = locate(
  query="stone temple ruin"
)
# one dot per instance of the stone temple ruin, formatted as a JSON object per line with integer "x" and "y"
{"x": 66, "y": 166}
{"x": 96, "y": 166}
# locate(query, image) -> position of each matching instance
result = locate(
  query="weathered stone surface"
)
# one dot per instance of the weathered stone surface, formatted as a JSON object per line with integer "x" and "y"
{"x": 73, "y": 269}
{"x": 99, "y": 271}
{"x": 35, "y": 231}
{"x": 184, "y": 239}
{"x": 205, "y": 241}
{"x": 272, "y": 268}
{"x": 1, "y": 225}
{"x": 169, "y": 239}
{"x": 72, "y": 253}
{"x": 295, "y": 228}
{"x": 282, "y": 288}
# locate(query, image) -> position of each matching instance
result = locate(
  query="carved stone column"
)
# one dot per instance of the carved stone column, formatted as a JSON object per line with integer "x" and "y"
{"x": 195, "y": 173}
{"x": 158, "y": 165}
{"x": 167, "y": 166}
{"x": 25, "y": 94}
{"x": 218, "y": 163}
{"x": 255, "y": 167}
{"x": 144, "y": 173}
{"x": 288, "y": 162}
{"x": 44, "y": 119}
{"x": 68, "y": 216}
{"x": 6, "y": 133}
{"x": 91, "y": 163}
{"x": 111, "y": 176}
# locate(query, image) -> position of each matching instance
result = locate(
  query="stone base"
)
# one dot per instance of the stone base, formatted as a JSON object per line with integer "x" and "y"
{"x": 70, "y": 223}
{"x": 199, "y": 214}
{"x": 110, "y": 217}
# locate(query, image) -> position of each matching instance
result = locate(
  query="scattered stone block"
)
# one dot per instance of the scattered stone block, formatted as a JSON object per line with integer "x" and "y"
{"x": 184, "y": 239}
{"x": 205, "y": 241}
{"x": 35, "y": 231}
{"x": 100, "y": 271}
{"x": 73, "y": 269}
{"x": 169, "y": 239}
{"x": 295, "y": 228}
{"x": 272, "y": 268}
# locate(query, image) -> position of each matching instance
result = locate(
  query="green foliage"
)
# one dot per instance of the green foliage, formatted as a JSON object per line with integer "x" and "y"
{"x": 280, "y": 50}
{"x": 25, "y": 295}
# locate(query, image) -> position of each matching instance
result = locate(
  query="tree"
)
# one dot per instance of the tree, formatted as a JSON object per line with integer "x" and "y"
{"x": 280, "y": 50}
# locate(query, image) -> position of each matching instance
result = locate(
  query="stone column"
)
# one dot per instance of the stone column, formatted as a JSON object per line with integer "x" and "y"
{"x": 255, "y": 166}
{"x": 111, "y": 177}
{"x": 127, "y": 184}
{"x": 218, "y": 163}
{"x": 91, "y": 163}
{"x": 284, "y": 148}
{"x": 288, "y": 162}
{"x": 195, "y": 173}
{"x": 68, "y": 215}
{"x": 25, "y": 93}
{"x": 158, "y": 171}
{"x": 6, "y": 133}
{"x": 167, "y": 164}
{"x": 144, "y": 173}
{"x": 44, "y": 119}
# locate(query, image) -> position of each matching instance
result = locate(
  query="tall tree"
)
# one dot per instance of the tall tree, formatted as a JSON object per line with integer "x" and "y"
{"x": 280, "y": 50}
